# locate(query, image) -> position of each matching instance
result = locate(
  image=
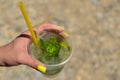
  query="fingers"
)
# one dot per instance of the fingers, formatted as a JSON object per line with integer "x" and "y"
{"x": 53, "y": 28}
{"x": 49, "y": 27}
{"x": 64, "y": 34}
{"x": 35, "y": 64}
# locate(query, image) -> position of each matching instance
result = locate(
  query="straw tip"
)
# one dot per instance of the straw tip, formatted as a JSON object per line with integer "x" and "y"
{"x": 20, "y": 3}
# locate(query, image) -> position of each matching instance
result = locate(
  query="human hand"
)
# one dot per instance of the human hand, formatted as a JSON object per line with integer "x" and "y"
{"x": 16, "y": 52}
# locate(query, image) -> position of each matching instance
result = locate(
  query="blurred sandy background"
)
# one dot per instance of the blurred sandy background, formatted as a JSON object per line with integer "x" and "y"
{"x": 94, "y": 26}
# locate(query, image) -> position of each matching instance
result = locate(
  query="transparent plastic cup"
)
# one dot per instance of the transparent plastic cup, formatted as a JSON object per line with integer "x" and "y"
{"x": 53, "y": 64}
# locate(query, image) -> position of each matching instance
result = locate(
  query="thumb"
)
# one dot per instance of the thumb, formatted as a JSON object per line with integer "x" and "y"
{"x": 32, "y": 62}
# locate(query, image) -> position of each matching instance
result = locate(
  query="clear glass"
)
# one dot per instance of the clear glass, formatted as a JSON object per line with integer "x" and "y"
{"x": 53, "y": 64}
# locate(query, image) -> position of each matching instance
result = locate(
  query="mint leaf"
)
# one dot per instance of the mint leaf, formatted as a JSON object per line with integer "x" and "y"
{"x": 51, "y": 47}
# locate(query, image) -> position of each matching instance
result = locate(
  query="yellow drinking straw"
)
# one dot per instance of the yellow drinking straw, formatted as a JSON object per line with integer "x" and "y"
{"x": 22, "y": 8}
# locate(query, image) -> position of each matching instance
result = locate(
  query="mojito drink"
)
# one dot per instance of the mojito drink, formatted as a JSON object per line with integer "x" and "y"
{"x": 53, "y": 50}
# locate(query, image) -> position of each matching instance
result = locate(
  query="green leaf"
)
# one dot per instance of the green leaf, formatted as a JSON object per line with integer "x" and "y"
{"x": 51, "y": 47}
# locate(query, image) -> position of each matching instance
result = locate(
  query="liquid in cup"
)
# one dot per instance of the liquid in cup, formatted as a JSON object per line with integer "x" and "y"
{"x": 53, "y": 50}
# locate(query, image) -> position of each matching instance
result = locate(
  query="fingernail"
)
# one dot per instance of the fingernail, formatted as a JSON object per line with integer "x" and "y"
{"x": 66, "y": 34}
{"x": 41, "y": 68}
